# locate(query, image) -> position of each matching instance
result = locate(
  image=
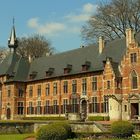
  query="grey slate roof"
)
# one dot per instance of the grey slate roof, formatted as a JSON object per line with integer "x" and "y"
{"x": 8, "y": 64}
{"x": 77, "y": 58}
{"x": 15, "y": 66}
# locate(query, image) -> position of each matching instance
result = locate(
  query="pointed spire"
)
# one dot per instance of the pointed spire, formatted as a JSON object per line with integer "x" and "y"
{"x": 12, "y": 41}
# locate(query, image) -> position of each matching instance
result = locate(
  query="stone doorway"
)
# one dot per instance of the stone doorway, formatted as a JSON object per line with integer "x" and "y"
{"x": 84, "y": 109}
{"x": 134, "y": 110}
{"x": 8, "y": 113}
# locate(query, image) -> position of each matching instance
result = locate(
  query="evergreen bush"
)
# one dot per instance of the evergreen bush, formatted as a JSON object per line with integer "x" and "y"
{"x": 67, "y": 128}
{"x": 98, "y": 118}
{"x": 45, "y": 118}
{"x": 122, "y": 129}
{"x": 55, "y": 131}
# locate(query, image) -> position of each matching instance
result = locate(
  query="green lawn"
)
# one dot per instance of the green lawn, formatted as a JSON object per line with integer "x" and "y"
{"x": 14, "y": 136}
{"x": 100, "y": 139}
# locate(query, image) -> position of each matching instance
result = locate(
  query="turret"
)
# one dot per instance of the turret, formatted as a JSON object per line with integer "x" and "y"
{"x": 12, "y": 41}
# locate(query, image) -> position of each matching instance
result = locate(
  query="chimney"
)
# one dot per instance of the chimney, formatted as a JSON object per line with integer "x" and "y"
{"x": 101, "y": 44}
{"x": 129, "y": 36}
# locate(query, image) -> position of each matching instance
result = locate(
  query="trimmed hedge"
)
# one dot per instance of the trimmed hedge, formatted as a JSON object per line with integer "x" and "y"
{"x": 44, "y": 118}
{"x": 122, "y": 129}
{"x": 98, "y": 118}
{"x": 55, "y": 131}
{"x": 67, "y": 128}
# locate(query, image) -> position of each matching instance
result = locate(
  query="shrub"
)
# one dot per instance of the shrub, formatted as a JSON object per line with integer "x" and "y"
{"x": 98, "y": 118}
{"x": 122, "y": 129}
{"x": 44, "y": 118}
{"x": 67, "y": 127}
{"x": 55, "y": 131}
{"x": 135, "y": 137}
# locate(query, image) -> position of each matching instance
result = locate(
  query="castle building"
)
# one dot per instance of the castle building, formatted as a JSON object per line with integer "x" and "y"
{"x": 97, "y": 80}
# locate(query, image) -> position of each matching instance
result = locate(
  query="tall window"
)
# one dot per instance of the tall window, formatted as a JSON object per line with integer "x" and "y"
{"x": 65, "y": 103}
{"x": 133, "y": 57}
{"x": 20, "y": 92}
{"x": 125, "y": 108}
{"x": 108, "y": 84}
{"x": 94, "y": 105}
{"x": 74, "y": 105}
{"x": 47, "y": 89}
{"x": 54, "y": 88}
{"x": 39, "y": 107}
{"x": 39, "y": 90}
{"x": 84, "y": 86}
{"x": 94, "y": 83}
{"x": 8, "y": 91}
{"x": 20, "y": 108}
{"x": 65, "y": 87}
{"x": 74, "y": 86}
{"x": 55, "y": 109}
{"x": 47, "y": 107}
{"x": 134, "y": 80}
{"x": 30, "y": 91}
{"x": 105, "y": 105}
{"x": 31, "y": 109}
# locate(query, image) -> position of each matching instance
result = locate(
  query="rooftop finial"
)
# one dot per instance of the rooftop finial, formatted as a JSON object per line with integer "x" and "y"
{"x": 13, "y": 21}
{"x": 12, "y": 42}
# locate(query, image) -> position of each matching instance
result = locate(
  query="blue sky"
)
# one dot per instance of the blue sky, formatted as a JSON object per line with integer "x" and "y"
{"x": 59, "y": 21}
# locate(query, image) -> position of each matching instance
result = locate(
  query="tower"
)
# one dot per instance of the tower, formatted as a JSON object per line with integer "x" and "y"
{"x": 12, "y": 41}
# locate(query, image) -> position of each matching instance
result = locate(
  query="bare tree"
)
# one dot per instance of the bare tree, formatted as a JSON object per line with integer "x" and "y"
{"x": 3, "y": 52}
{"x": 112, "y": 19}
{"x": 35, "y": 46}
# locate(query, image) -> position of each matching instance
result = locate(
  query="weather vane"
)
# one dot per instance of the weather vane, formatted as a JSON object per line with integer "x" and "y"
{"x": 13, "y": 21}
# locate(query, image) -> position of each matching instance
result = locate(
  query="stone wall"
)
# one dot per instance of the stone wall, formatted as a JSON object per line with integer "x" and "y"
{"x": 85, "y": 127}
{"x": 16, "y": 128}
{"x": 77, "y": 127}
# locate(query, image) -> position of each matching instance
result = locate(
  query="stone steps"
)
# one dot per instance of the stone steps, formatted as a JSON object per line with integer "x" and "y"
{"x": 104, "y": 126}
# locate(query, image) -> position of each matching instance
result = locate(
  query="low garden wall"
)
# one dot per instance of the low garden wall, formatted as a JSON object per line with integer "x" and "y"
{"x": 16, "y": 128}
{"x": 86, "y": 127}
{"x": 31, "y": 127}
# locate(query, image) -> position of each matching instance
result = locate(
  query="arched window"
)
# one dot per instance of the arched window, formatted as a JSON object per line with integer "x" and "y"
{"x": 134, "y": 80}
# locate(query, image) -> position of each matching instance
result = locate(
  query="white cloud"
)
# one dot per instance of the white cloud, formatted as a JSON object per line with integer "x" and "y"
{"x": 47, "y": 28}
{"x": 33, "y": 22}
{"x": 71, "y": 23}
{"x": 87, "y": 10}
{"x": 77, "y": 18}
{"x": 51, "y": 28}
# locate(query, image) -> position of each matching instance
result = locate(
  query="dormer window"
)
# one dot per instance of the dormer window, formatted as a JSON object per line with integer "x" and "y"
{"x": 133, "y": 57}
{"x": 50, "y": 72}
{"x": 67, "y": 69}
{"x": 33, "y": 74}
{"x": 11, "y": 75}
{"x": 86, "y": 66}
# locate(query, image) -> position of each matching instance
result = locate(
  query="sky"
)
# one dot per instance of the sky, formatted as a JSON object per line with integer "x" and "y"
{"x": 60, "y": 21}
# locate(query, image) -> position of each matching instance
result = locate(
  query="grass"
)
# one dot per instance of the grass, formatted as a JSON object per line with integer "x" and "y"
{"x": 100, "y": 139}
{"x": 15, "y": 136}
